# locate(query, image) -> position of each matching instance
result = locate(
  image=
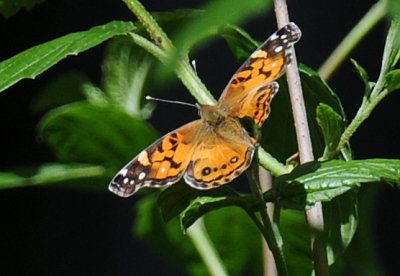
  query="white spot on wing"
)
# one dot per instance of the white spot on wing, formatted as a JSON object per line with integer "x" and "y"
{"x": 126, "y": 180}
{"x": 142, "y": 175}
{"x": 278, "y": 49}
{"x": 124, "y": 171}
{"x": 273, "y": 37}
{"x": 162, "y": 169}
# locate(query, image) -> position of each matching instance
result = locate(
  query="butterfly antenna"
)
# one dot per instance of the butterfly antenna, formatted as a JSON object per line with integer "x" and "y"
{"x": 169, "y": 101}
{"x": 194, "y": 66}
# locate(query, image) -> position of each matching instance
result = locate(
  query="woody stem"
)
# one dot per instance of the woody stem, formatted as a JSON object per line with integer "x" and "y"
{"x": 314, "y": 215}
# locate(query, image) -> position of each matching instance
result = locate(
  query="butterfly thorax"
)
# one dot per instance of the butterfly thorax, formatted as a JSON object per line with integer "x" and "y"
{"x": 212, "y": 115}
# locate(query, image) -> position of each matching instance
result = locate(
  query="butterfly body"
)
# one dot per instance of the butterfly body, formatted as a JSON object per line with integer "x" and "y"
{"x": 215, "y": 149}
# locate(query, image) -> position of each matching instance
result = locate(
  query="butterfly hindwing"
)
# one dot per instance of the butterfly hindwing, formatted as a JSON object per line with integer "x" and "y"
{"x": 219, "y": 158}
{"x": 163, "y": 163}
{"x": 256, "y": 104}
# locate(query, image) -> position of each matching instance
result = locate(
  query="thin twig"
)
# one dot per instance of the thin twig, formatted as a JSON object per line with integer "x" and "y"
{"x": 265, "y": 185}
{"x": 314, "y": 215}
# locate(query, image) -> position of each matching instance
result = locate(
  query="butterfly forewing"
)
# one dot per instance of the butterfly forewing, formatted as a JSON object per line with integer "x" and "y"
{"x": 265, "y": 65}
{"x": 161, "y": 164}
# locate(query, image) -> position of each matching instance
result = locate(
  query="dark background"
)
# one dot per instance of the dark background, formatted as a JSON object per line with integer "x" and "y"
{"x": 51, "y": 231}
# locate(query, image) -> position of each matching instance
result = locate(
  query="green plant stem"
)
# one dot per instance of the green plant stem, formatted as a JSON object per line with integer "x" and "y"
{"x": 184, "y": 71}
{"x": 201, "y": 241}
{"x": 379, "y": 91}
{"x": 271, "y": 164}
{"x": 370, "y": 19}
{"x": 269, "y": 230}
{"x": 149, "y": 23}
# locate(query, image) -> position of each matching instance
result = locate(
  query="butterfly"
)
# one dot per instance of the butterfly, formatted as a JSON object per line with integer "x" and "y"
{"x": 215, "y": 149}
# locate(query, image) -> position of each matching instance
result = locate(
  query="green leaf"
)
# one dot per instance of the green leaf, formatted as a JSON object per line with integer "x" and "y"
{"x": 296, "y": 237}
{"x": 9, "y": 8}
{"x": 393, "y": 80}
{"x": 313, "y": 182}
{"x": 361, "y": 256}
{"x": 38, "y": 59}
{"x": 239, "y": 41}
{"x": 126, "y": 68}
{"x": 191, "y": 204}
{"x": 340, "y": 219}
{"x": 278, "y": 133}
{"x": 94, "y": 95}
{"x": 64, "y": 89}
{"x": 362, "y": 73}
{"x": 81, "y": 132}
{"x": 332, "y": 126}
{"x": 394, "y": 8}
{"x": 79, "y": 175}
{"x": 202, "y": 205}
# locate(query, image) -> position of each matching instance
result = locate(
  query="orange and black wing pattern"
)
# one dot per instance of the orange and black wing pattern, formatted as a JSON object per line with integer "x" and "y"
{"x": 256, "y": 104}
{"x": 161, "y": 164}
{"x": 265, "y": 65}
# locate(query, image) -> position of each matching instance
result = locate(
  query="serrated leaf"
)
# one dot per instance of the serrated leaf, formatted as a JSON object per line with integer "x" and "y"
{"x": 36, "y": 60}
{"x": 314, "y": 182}
{"x": 125, "y": 70}
{"x": 393, "y": 80}
{"x": 332, "y": 126}
{"x": 239, "y": 41}
{"x": 86, "y": 133}
{"x": 81, "y": 175}
{"x": 9, "y": 8}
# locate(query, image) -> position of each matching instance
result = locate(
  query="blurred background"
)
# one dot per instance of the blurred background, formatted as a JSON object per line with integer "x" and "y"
{"x": 57, "y": 231}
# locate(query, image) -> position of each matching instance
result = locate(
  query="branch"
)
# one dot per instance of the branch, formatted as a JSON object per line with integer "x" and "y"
{"x": 314, "y": 215}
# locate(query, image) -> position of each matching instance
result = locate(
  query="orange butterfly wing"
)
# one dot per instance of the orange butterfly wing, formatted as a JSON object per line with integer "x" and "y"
{"x": 265, "y": 65}
{"x": 220, "y": 157}
{"x": 255, "y": 104}
{"x": 163, "y": 163}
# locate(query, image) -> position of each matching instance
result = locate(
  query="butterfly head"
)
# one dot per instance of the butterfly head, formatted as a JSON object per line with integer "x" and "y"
{"x": 212, "y": 115}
